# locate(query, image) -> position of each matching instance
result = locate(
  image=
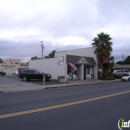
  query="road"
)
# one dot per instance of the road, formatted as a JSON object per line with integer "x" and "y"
{"x": 91, "y": 107}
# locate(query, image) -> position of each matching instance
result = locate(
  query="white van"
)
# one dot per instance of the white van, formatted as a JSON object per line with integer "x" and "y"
{"x": 123, "y": 72}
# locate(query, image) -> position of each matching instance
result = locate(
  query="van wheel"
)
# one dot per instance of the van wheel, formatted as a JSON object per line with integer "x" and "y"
{"x": 24, "y": 78}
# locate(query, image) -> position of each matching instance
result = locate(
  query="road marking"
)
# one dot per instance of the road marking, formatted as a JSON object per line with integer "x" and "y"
{"x": 61, "y": 105}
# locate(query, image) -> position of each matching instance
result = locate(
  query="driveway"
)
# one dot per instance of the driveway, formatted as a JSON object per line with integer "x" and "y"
{"x": 15, "y": 81}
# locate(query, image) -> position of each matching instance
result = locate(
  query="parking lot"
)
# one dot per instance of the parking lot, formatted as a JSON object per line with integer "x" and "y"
{"x": 14, "y": 81}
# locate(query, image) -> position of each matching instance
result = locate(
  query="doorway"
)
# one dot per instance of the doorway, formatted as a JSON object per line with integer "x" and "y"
{"x": 85, "y": 70}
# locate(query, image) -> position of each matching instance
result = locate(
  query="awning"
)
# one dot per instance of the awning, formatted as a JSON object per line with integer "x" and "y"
{"x": 80, "y": 60}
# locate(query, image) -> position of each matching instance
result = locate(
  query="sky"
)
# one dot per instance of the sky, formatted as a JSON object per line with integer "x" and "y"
{"x": 62, "y": 25}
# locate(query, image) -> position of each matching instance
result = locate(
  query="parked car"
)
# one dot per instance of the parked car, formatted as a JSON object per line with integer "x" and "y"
{"x": 28, "y": 74}
{"x": 2, "y": 73}
{"x": 21, "y": 69}
{"x": 15, "y": 73}
{"x": 122, "y": 72}
{"x": 126, "y": 78}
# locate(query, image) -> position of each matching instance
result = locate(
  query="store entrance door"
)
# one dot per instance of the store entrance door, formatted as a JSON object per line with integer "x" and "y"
{"x": 85, "y": 68}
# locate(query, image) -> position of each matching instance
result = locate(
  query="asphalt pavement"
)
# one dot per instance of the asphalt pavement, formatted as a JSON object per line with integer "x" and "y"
{"x": 97, "y": 106}
{"x": 14, "y": 84}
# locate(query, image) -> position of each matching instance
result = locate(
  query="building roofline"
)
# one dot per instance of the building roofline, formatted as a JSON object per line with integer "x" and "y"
{"x": 75, "y": 49}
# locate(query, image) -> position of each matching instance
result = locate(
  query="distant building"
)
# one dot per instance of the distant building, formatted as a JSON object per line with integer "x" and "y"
{"x": 12, "y": 61}
{"x": 118, "y": 66}
{"x": 24, "y": 64}
{"x": 9, "y": 65}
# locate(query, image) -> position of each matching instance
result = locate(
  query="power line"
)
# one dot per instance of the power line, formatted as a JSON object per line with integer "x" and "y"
{"x": 13, "y": 56}
{"x": 16, "y": 54}
{"x": 19, "y": 54}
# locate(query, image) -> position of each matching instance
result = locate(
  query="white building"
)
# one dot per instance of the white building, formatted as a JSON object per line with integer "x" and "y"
{"x": 84, "y": 59}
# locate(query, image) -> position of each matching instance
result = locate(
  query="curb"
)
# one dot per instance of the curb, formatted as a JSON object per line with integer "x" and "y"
{"x": 65, "y": 85}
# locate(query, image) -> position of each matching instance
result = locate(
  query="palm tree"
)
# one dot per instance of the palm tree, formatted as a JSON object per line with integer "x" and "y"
{"x": 103, "y": 48}
{"x": 1, "y": 61}
{"x": 111, "y": 59}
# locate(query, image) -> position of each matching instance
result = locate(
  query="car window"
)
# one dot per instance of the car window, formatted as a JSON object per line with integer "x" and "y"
{"x": 37, "y": 72}
{"x": 32, "y": 71}
{"x": 28, "y": 71}
{"x": 24, "y": 71}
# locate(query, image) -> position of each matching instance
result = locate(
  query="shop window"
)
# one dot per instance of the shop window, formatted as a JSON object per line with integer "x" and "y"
{"x": 61, "y": 60}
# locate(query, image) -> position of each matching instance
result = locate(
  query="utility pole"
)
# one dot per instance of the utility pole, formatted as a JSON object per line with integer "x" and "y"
{"x": 42, "y": 46}
{"x": 123, "y": 57}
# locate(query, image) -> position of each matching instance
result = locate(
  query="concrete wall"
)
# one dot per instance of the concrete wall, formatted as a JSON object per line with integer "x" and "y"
{"x": 50, "y": 65}
{"x": 96, "y": 71}
{"x": 8, "y": 68}
{"x": 80, "y": 72}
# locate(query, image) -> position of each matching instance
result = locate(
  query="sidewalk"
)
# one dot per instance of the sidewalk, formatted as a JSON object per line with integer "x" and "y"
{"x": 77, "y": 83}
{"x": 39, "y": 87}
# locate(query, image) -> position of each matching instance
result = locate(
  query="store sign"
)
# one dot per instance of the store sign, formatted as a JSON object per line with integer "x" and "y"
{"x": 83, "y": 60}
{"x": 61, "y": 60}
{"x": 8, "y": 66}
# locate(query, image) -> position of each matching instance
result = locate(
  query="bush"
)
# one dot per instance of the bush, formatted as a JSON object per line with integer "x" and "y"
{"x": 109, "y": 78}
{"x": 118, "y": 76}
{"x": 61, "y": 77}
{"x": 104, "y": 75}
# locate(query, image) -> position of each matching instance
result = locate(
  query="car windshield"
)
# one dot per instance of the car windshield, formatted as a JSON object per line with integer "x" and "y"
{"x": 38, "y": 71}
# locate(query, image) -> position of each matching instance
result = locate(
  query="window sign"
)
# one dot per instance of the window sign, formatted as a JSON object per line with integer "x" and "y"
{"x": 61, "y": 60}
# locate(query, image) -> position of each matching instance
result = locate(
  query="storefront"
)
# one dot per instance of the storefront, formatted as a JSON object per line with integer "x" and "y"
{"x": 84, "y": 66}
{"x": 83, "y": 59}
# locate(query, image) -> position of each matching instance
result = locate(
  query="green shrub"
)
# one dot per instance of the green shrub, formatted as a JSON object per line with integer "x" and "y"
{"x": 107, "y": 75}
{"x": 118, "y": 76}
{"x": 104, "y": 75}
{"x": 110, "y": 74}
{"x": 61, "y": 77}
{"x": 109, "y": 78}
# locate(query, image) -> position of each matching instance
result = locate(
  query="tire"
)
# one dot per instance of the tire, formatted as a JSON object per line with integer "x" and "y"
{"x": 128, "y": 79}
{"x": 28, "y": 79}
{"x": 24, "y": 79}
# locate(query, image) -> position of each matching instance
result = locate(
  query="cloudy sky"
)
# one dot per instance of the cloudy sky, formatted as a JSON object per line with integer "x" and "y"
{"x": 62, "y": 25}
